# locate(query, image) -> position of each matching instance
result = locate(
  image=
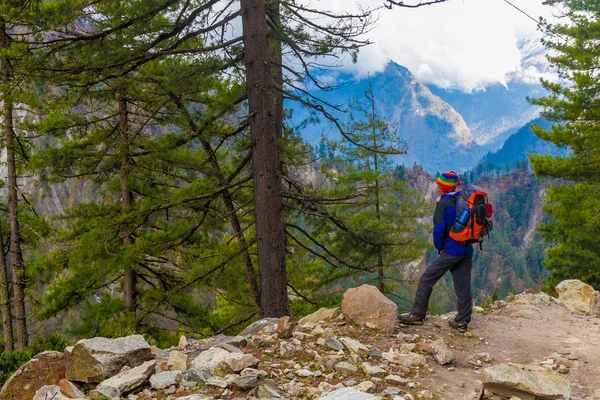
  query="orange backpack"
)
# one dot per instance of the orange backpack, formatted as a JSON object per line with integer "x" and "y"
{"x": 472, "y": 216}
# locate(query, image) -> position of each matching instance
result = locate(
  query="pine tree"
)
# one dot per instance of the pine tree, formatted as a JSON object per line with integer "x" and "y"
{"x": 380, "y": 216}
{"x": 572, "y": 106}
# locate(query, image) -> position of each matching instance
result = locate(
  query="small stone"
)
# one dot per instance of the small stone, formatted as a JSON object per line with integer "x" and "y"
{"x": 442, "y": 354}
{"x": 321, "y": 342}
{"x": 304, "y": 373}
{"x": 396, "y": 380}
{"x": 345, "y": 368}
{"x": 243, "y": 382}
{"x": 486, "y": 358}
{"x": 426, "y": 394}
{"x": 171, "y": 390}
{"x": 266, "y": 392}
{"x": 238, "y": 341}
{"x": 285, "y": 328}
{"x": 70, "y": 390}
{"x": 410, "y": 337}
{"x": 163, "y": 380}
{"x": 366, "y": 386}
{"x": 218, "y": 382}
{"x": 177, "y": 361}
{"x": 391, "y": 391}
{"x": 286, "y": 348}
{"x": 414, "y": 360}
{"x": 334, "y": 344}
{"x": 563, "y": 369}
{"x": 373, "y": 370}
{"x": 408, "y": 347}
{"x": 183, "y": 342}
{"x": 318, "y": 331}
{"x": 375, "y": 353}
{"x": 350, "y": 383}
{"x": 355, "y": 346}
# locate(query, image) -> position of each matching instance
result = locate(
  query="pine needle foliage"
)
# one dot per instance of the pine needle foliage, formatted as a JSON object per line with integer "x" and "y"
{"x": 572, "y": 106}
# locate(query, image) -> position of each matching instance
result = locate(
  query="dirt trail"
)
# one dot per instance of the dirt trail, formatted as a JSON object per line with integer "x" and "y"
{"x": 526, "y": 329}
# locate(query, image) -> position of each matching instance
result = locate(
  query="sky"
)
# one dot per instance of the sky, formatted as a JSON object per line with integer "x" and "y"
{"x": 463, "y": 44}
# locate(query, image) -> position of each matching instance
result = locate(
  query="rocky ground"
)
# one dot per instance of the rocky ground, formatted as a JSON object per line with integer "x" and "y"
{"x": 341, "y": 355}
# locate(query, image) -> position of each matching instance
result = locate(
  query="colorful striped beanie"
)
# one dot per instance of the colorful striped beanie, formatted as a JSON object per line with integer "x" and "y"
{"x": 447, "y": 181}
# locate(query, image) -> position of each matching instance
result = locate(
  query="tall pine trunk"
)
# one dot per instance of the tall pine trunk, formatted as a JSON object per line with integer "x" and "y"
{"x": 380, "y": 272}
{"x": 270, "y": 235}
{"x": 129, "y": 276}
{"x": 16, "y": 255}
{"x": 9, "y": 344}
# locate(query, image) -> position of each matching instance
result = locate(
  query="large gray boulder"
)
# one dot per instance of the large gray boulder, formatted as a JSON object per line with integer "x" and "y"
{"x": 366, "y": 306}
{"x": 580, "y": 296}
{"x": 131, "y": 379}
{"x": 97, "y": 359}
{"x": 510, "y": 379}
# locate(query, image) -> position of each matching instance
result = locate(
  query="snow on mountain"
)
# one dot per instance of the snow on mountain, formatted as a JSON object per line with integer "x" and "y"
{"x": 534, "y": 64}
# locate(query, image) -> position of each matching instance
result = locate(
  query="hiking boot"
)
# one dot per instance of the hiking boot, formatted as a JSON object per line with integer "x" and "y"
{"x": 459, "y": 326}
{"x": 410, "y": 319}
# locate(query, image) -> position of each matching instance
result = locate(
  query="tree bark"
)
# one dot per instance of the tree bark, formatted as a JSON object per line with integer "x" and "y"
{"x": 129, "y": 276}
{"x": 270, "y": 236}
{"x": 273, "y": 10}
{"x": 9, "y": 344}
{"x": 16, "y": 255}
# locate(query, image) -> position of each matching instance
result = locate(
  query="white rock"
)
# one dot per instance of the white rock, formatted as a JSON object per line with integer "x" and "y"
{"x": 49, "y": 392}
{"x": 536, "y": 380}
{"x": 580, "y": 296}
{"x": 345, "y": 368}
{"x": 373, "y": 370}
{"x": 396, "y": 380}
{"x": 355, "y": 346}
{"x": 347, "y": 394}
{"x": 218, "y": 382}
{"x": 413, "y": 360}
{"x": 442, "y": 354}
{"x": 131, "y": 379}
{"x": 366, "y": 386}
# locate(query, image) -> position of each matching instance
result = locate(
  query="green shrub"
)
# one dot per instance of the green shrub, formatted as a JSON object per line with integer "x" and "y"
{"x": 10, "y": 362}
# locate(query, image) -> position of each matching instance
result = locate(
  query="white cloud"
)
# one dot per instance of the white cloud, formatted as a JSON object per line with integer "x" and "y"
{"x": 467, "y": 44}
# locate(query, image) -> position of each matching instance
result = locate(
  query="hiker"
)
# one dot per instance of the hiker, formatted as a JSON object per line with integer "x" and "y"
{"x": 454, "y": 256}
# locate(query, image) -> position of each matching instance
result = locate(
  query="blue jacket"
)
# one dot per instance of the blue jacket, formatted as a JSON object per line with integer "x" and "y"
{"x": 443, "y": 219}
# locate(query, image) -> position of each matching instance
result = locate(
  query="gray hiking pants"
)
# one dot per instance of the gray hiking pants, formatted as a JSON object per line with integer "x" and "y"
{"x": 460, "y": 267}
